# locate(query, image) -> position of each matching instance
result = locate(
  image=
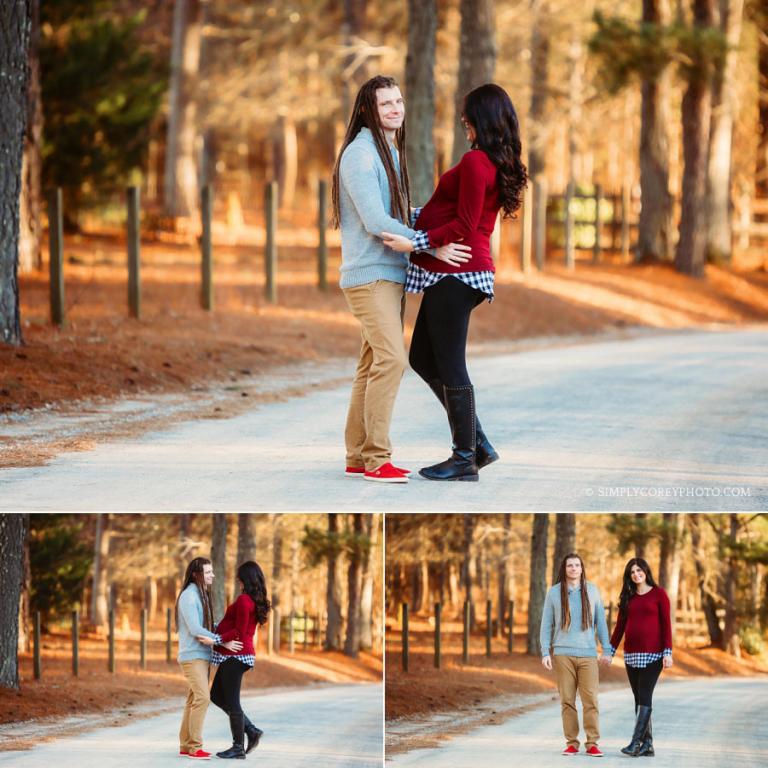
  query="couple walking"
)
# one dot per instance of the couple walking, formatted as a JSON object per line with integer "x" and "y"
{"x": 450, "y": 263}
{"x": 228, "y": 645}
{"x": 573, "y": 613}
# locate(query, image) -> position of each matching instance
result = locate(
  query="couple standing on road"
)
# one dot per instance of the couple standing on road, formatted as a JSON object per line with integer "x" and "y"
{"x": 228, "y": 644}
{"x": 451, "y": 265}
{"x": 573, "y": 612}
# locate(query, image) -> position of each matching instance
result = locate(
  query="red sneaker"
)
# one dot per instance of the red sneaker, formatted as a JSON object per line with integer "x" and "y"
{"x": 360, "y": 471}
{"x": 201, "y": 754}
{"x": 183, "y": 753}
{"x": 386, "y": 473}
{"x": 594, "y": 751}
{"x": 571, "y": 750}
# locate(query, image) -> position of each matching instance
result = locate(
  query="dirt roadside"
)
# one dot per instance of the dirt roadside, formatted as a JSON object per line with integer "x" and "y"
{"x": 210, "y": 361}
{"x": 426, "y": 705}
{"x": 60, "y": 704}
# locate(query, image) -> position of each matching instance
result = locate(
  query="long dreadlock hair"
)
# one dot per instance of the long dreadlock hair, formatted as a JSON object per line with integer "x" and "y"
{"x": 565, "y": 610}
{"x": 194, "y": 575}
{"x": 365, "y": 114}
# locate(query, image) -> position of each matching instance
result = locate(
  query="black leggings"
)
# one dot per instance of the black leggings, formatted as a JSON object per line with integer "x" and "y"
{"x": 225, "y": 691}
{"x": 439, "y": 341}
{"x": 643, "y": 681}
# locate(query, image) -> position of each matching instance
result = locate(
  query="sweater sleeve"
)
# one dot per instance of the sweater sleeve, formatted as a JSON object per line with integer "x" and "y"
{"x": 665, "y": 620}
{"x": 600, "y": 625}
{"x": 473, "y": 180}
{"x": 357, "y": 173}
{"x": 545, "y": 633}
{"x": 189, "y": 613}
{"x": 618, "y": 630}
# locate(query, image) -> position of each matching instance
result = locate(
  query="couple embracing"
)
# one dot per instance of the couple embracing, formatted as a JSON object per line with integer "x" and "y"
{"x": 441, "y": 250}
{"x": 227, "y": 645}
{"x": 573, "y": 614}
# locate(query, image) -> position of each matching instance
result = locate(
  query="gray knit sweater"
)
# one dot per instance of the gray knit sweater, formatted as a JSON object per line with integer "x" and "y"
{"x": 366, "y": 212}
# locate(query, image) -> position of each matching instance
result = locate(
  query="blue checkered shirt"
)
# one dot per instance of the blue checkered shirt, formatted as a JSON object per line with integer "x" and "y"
{"x": 642, "y": 660}
{"x": 246, "y": 658}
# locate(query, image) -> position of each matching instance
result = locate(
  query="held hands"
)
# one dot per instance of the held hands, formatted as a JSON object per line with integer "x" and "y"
{"x": 606, "y": 660}
{"x": 454, "y": 254}
{"x": 547, "y": 663}
{"x": 666, "y": 662}
{"x": 399, "y": 243}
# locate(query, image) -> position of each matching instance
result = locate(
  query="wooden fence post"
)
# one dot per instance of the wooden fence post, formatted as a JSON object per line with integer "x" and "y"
{"x": 540, "y": 222}
{"x": 111, "y": 656}
{"x": 610, "y": 616}
{"x": 488, "y": 627}
{"x": 306, "y": 631}
{"x": 134, "y": 253}
{"x": 36, "y": 650}
{"x": 570, "y": 245}
{"x": 276, "y": 630}
{"x": 438, "y": 611}
{"x": 270, "y": 247}
{"x": 75, "y": 643}
{"x": 322, "y": 227}
{"x": 526, "y": 233}
{"x": 465, "y": 639}
{"x": 291, "y": 639}
{"x": 405, "y": 637}
{"x": 626, "y": 206}
{"x": 169, "y": 635}
{"x": 318, "y": 633}
{"x": 597, "y": 249}
{"x": 206, "y": 251}
{"x": 56, "y": 250}
{"x": 510, "y": 626}
{"x": 143, "y": 648}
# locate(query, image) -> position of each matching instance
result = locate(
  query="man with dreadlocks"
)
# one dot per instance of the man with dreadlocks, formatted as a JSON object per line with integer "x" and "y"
{"x": 573, "y": 611}
{"x": 371, "y": 196}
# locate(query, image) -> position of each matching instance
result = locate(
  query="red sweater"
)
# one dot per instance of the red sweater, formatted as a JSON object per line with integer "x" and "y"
{"x": 646, "y": 623}
{"x": 462, "y": 209}
{"x": 239, "y": 623}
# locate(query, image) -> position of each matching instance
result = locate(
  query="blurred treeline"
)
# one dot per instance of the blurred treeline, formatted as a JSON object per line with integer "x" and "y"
{"x": 713, "y": 566}
{"x": 171, "y": 95}
{"x": 327, "y": 565}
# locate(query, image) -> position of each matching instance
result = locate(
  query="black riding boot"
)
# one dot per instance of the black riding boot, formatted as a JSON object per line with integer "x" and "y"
{"x": 485, "y": 453}
{"x": 646, "y": 750}
{"x": 237, "y": 750}
{"x": 460, "y": 404}
{"x": 641, "y": 726}
{"x": 253, "y": 733}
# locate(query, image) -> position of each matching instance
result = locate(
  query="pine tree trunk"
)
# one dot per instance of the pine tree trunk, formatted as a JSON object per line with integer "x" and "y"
{"x": 99, "y": 604}
{"x": 219, "y": 562}
{"x": 701, "y": 562}
{"x": 761, "y": 166}
{"x": 565, "y": 540}
{"x": 25, "y": 613}
{"x": 724, "y": 107}
{"x": 246, "y": 541}
{"x": 15, "y": 23}
{"x": 277, "y": 559}
{"x": 655, "y": 227}
{"x": 671, "y": 555}
{"x": 477, "y": 61}
{"x": 538, "y": 586}
{"x": 504, "y": 570}
{"x": 333, "y": 588}
{"x": 354, "y": 590}
{"x": 697, "y": 113}
{"x": 467, "y": 568}
{"x": 420, "y": 95}
{"x": 730, "y": 642}
{"x": 30, "y": 230}
{"x": 13, "y": 533}
{"x": 371, "y": 531}
{"x": 180, "y": 181}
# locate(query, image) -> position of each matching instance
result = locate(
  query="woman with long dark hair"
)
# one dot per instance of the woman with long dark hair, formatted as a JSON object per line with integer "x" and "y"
{"x": 644, "y": 622}
{"x": 194, "y": 623}
{"x": 248, "y": 611}
{"x": 464, "y": 207}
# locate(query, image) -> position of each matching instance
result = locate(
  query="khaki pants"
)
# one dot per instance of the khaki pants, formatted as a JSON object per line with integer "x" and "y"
{"x": 191, "y": 732}
{"x": 379, "y": 308}
{"x": 576, "y": 673}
